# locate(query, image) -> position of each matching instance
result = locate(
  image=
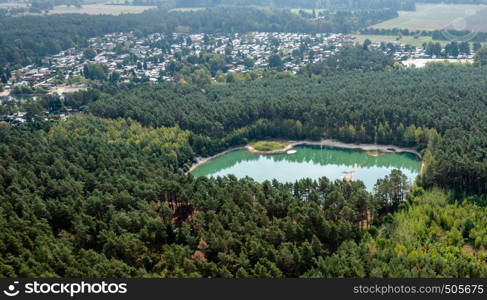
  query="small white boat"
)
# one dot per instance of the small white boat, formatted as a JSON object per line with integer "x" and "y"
{"x": 291, "y": 152}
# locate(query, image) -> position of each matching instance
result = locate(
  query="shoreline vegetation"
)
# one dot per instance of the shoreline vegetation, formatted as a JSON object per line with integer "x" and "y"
{"x": 379, "y": 149}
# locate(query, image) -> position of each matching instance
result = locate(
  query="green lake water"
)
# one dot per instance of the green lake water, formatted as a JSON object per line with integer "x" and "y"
{"x": 311, "y": 162}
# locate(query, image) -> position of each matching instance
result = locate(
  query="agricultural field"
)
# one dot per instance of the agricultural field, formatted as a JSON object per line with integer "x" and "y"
{"x": 100, "y": 9}
{"x": 478, "y": 22}
{"x": 440, "y": 16}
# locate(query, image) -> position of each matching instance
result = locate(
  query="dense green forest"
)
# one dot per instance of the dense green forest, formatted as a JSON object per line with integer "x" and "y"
{"x": 106, "y": 193}
{"x": 402, "y": 107}
{"x": 434, "y": 236}
{"x": 109, "y": 198}
{"x": 98, "y": 198}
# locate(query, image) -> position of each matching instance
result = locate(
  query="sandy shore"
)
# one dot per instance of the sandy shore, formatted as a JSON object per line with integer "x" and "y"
{"x": 365, "y": 147}
{"x": 202, "y": 160}
{"x": 327, "y": 143}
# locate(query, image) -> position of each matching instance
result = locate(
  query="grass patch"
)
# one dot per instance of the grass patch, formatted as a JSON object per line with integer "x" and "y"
{"x": 269, "y": 145}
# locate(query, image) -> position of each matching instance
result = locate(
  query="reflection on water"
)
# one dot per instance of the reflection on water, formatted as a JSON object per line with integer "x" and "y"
{"x": 312, "y": 162}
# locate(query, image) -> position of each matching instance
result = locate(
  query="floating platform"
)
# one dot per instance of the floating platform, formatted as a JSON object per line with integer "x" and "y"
{"x": 348, "y": 175}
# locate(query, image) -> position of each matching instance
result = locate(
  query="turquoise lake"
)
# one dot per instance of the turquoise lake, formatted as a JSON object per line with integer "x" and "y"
{"x": 312, "y": 162}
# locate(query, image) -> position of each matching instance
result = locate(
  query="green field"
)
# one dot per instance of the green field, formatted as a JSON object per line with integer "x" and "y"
{"x": 100, "y": 9}
{"x": 439, "y": 16}
{"x": 269, "y": 145}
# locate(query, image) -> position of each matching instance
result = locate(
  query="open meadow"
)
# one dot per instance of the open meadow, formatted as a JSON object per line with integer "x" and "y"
{"x": 439, "y": 16}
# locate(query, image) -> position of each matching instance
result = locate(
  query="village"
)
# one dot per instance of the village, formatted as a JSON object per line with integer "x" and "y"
{"x": 149, "y": 59}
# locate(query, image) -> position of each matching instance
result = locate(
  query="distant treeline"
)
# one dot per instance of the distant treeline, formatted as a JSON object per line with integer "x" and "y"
{"x": 319, "y": 4}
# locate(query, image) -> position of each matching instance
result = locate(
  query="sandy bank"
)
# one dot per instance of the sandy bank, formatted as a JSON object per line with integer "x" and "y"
{"x": 327, "y": 143}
